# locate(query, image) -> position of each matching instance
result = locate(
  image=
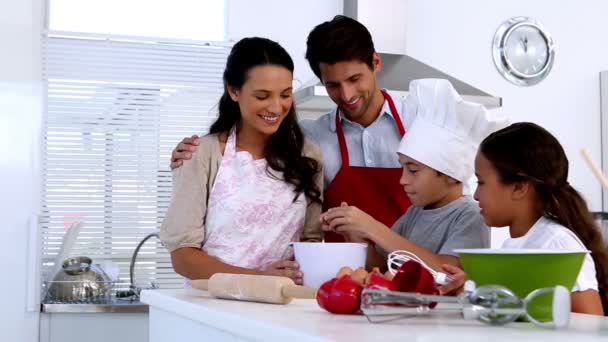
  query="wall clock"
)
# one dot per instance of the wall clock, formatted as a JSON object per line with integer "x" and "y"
{"x": 523, "y": 51}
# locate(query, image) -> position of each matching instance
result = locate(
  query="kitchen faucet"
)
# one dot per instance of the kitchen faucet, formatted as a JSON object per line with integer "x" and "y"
{"x": 133, "y": 292}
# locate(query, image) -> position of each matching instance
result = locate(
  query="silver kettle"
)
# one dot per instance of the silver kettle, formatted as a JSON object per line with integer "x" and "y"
{"x": 79, "y": 281}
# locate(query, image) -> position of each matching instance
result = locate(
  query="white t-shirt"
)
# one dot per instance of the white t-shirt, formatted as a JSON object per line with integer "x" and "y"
{"x": 548, "y": 234}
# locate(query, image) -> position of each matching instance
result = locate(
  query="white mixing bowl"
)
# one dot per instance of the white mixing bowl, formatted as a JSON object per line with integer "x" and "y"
{"x": 320, "y": 261}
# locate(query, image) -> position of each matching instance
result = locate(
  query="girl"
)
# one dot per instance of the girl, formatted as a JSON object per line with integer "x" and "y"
{"x": 254, "y": 185}
{"x": 522, "y": 173}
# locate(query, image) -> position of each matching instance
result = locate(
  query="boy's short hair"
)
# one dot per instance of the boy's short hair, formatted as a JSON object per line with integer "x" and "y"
{"x": 340, "y": 39}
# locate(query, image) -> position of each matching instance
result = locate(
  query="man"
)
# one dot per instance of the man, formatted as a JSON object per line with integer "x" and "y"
{"x": 358, "y": 139}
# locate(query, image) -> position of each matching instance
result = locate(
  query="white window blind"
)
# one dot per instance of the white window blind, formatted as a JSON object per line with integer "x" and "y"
{"x": 115, "y": 108}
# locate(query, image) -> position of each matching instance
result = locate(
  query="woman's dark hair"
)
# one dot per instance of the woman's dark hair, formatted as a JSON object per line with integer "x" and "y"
{"x": 340, "y": 39}
{"x": 527, "y": 152}
{"x": 284, "y": 150}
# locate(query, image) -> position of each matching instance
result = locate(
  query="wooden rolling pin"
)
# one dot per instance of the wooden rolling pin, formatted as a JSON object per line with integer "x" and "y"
{"x": 254, "y": 288}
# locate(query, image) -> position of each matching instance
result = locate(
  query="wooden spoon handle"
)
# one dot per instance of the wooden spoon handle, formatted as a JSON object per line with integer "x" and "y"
{"x": 595, "y": 168}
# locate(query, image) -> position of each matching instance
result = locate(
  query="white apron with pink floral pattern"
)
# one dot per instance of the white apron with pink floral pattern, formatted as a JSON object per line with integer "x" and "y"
{"x": 251, "y": 216}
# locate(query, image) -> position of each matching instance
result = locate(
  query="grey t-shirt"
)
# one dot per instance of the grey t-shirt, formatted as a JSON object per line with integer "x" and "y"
{"x": 441, "y": 230}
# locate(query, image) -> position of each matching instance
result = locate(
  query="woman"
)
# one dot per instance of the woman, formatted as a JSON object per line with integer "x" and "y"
{"x": 254, "y": 184}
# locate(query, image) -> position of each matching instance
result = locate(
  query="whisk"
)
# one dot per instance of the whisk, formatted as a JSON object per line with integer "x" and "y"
{"x": 397, "y": 258}
{"x": 491, "y": 304}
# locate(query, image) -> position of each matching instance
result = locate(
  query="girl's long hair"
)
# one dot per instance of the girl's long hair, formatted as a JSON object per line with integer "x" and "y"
{"x": 527, "y": 152}
{"x": 284, "y": 150}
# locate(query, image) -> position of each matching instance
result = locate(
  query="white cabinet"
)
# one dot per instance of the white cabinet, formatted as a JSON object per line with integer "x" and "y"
{"x": 94, "y": 327}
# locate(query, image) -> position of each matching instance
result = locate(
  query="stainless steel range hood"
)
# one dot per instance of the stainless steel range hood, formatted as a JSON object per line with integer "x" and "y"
{"x": 397, "y": 69}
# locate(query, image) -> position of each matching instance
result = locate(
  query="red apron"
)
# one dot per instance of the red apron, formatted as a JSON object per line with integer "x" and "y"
{"x": 374, "y": 190}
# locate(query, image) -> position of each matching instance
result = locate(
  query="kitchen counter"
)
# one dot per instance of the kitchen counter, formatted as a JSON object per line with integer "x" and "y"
{"x": 177, "y": 315}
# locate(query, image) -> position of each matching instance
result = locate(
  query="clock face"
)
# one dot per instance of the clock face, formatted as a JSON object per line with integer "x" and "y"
{"x": 523, "y": 51}
{"x": 527, "y": 51}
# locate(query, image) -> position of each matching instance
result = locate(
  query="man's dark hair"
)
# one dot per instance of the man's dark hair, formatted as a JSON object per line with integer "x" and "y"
{"x": 340, "y": 39}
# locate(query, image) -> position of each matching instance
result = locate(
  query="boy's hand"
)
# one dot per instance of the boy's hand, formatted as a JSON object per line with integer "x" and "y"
{"x": 348, "y": 220}
{"x": 183, "y": 151}
{"x": 347, "y": 237}
{"x": 458, "y": 279}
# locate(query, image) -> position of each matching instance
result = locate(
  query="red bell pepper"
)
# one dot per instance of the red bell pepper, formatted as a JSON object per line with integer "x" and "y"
{"x": 343, "y": 295}
{"x": 324, "y": 292}
{"x": 340, "y": 295}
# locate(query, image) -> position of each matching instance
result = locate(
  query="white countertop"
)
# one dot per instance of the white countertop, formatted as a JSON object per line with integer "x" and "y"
{"x": 305, "y": 320}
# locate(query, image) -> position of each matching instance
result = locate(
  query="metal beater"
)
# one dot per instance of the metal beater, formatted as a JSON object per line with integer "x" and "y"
{"x": 491, "y": 304}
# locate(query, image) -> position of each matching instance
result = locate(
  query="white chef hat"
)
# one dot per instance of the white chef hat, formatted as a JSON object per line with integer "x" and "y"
{"x": 447, "y": 130}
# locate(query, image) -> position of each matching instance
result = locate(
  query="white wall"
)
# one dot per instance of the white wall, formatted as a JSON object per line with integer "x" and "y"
{"x": 287, "y": 22}
{"x": 456, "y": 36}
{"x": 20, "y": 113}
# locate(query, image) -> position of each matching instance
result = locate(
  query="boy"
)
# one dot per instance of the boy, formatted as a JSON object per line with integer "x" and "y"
{"x": 436, "y": 155}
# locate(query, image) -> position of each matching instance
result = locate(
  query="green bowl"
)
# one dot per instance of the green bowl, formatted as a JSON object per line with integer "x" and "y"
{"x": 523, "y": 271}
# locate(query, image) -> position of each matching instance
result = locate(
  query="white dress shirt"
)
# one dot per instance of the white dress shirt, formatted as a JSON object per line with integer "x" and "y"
{"x": 372, "y": 146}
